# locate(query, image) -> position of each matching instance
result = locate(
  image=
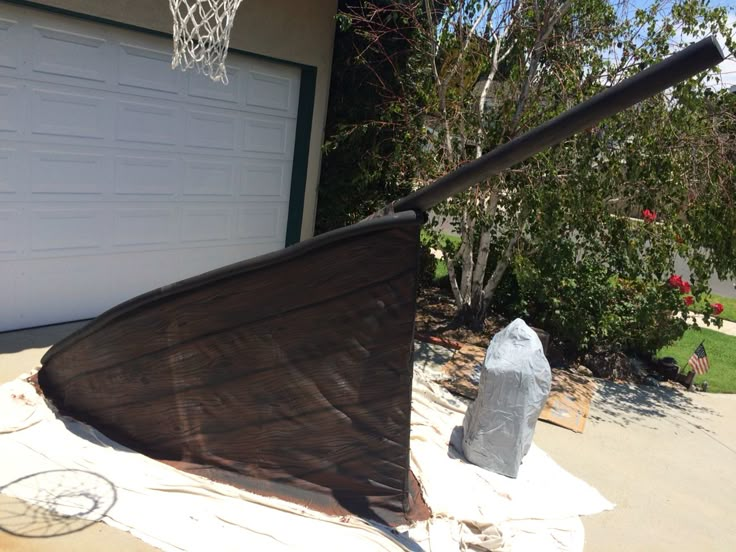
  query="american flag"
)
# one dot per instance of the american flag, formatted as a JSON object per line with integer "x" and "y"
{"x": 699, "y": 360}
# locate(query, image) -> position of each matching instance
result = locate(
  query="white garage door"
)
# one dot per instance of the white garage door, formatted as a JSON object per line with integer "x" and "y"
{"x": 119, "y": 175}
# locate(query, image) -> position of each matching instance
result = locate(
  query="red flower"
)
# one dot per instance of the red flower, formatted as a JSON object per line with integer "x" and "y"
{"x": 649, "y": 216}
{"x": 688, "y": 300}
{"x": 717, "y": 308}
{"x": 675, "y": 281}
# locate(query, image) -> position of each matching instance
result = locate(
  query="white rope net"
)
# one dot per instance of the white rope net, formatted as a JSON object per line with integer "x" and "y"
{"x": 202, "y": 34}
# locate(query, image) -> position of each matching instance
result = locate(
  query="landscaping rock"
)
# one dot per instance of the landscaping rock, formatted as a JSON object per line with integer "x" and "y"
{"x": 649, "y": 380}
{"x": 668, "y": 368}
{"x": 638, "y": 369}
{"x": 584, "y": 371}
{"x": 608, "y": 365}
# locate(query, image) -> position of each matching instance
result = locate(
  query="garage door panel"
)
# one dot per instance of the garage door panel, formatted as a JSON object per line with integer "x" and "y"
{"x": 197, "y": 260}
{"x": 260, "y": 222}
{"x": 67, "y": 114}
{"x": 10, "y": 313}
{"x": 119, "y": 175}
{"x": 69, "y": 54}
{"x": 146, "y": 175}
{"x": 152, "y": 226}
{"x": 206, "y": 224}
{"x": 148, "y": 69}
{"x": 269, "y": 91}
{"x": 148, "y": 122}
{"x": 9, "y": 172}
{"x": 209, "y": 177}
{"x": 266, "y": 135}
{"x": 202, "y": 259}
{"x": 147, "y": 267}
{"x": 66, "y": 229}
{"x": 9, "y": 232}
{"x": 78, "y": 288}
{"x": 67, "y": 173}
{"x": 124, "y": 61}
{"x": 11, "y": 109}
{"x": 265, "y": 179}
{"x": 60, "y": 290}
{"x": 10, "y": 44}
{"x": 273, "y": 91}
{"x": 234, "y": 254}
{"x": 216, "y": 129}
{"x": 201, "y": 86}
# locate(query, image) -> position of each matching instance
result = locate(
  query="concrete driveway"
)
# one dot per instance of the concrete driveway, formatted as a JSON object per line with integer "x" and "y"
{"x": 20, "y": 352}
{"x": 665, "y": 457}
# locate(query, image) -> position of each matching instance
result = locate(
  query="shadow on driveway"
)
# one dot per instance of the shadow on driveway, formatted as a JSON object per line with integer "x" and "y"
{"x": 36, "y": 338}
{"x": 625, "y": 404}
{"x": 57, "y": 502}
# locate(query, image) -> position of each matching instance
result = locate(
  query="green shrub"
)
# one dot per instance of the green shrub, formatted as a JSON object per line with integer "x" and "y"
{"x": 585, "y": 306}
{"x": 374, "y": 130}
{"x": 607, "y": 291}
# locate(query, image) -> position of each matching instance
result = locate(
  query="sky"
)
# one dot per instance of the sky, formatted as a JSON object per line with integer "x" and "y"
{"x": 728, "y": 67}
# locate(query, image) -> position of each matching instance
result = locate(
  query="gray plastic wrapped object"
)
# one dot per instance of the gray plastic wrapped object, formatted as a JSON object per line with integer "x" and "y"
{"x": 514, "y": 385}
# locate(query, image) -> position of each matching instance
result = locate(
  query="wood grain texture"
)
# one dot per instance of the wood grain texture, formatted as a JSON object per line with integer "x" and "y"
{"x": 291, "y": 376}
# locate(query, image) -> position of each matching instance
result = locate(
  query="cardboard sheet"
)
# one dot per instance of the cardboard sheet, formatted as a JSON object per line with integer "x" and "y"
{"x": 569, "y": 400}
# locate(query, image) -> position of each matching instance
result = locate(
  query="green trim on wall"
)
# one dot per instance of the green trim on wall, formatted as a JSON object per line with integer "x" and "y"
{"x": 307, "y": 90}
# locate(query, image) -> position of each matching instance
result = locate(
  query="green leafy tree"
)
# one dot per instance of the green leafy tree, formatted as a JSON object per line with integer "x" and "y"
{"x": 569, "y": 222}
{"x": 373, "y": 128}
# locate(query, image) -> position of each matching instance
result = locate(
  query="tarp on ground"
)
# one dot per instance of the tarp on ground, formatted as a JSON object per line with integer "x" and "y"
{"x": 68, "y": 469}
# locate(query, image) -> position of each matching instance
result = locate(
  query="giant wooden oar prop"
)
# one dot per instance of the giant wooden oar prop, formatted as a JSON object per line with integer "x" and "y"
{"x": 290, "y": 374}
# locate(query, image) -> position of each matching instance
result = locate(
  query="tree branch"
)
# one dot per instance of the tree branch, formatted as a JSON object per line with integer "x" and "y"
{"x": 503, "y": 262}
{"x": 544, "y": 34}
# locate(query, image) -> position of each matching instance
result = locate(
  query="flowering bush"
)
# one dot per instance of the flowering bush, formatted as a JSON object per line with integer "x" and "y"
{"x": 613, "y": 290}
{"x": 717, "y": 308}
{"x": 649, "y": 216}
{"x": 675, "y": 281}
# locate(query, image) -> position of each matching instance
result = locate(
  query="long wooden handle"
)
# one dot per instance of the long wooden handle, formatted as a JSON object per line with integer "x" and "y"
{"x": 676, "y": 68}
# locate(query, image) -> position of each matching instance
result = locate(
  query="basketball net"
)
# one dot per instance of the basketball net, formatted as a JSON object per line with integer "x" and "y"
{"x": 202, "y": 34}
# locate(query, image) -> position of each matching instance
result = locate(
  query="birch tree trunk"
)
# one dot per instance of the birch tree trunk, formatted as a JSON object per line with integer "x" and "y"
{"x": 473, "y": 289}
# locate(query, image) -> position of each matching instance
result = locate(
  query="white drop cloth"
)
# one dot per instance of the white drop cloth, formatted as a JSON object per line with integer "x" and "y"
{"x": 472, "y": 509}
{"x": 536, "y": 511}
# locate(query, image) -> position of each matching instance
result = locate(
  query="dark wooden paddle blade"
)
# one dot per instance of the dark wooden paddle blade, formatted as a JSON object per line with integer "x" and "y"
{"x": 289, "y": 374}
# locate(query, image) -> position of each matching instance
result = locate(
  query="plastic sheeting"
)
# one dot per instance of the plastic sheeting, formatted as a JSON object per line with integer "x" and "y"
{"x": 514, "y": 385}
{"x": 473, "y": 509}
